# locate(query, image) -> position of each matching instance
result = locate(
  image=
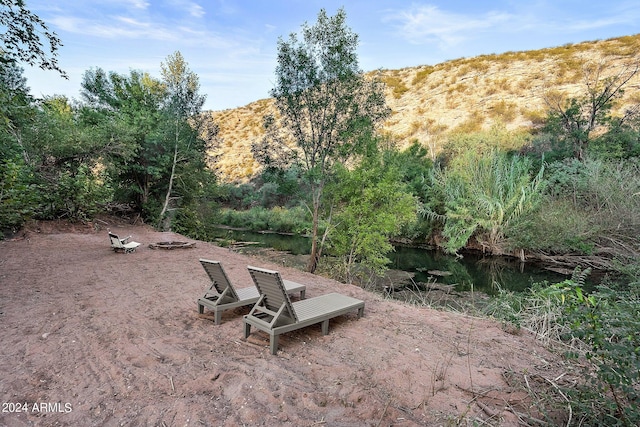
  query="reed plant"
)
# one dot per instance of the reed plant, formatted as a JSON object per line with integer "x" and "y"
{"x": 481, "y": 196}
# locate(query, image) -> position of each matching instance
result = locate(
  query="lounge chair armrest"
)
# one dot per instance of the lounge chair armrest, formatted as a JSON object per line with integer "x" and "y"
{"x": 125, "y": 239}
{"x": 265, "y": 316}
{"x": 257, "y": 306}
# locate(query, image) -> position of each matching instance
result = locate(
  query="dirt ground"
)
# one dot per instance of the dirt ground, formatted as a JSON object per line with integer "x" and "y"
{"x": 96, "y": 338}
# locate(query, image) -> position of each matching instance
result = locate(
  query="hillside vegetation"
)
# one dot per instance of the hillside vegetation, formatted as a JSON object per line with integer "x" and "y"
{"x": 462, "y": 95}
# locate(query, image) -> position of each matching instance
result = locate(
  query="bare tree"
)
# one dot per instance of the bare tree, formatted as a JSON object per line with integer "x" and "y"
{"x": 576, "y": 118}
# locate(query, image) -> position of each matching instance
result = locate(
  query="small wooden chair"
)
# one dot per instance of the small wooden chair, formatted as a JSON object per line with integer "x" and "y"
{"x": 123, "y": 245}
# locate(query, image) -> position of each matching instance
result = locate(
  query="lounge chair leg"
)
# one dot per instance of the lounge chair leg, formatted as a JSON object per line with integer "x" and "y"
{"x": 303, "y": 293}
{"x": 201, "y": 308}
{"x": 218, "y": 317}
{"x": 325, "y": 327}
{"x": 274, "y": 344}
{"x": 247, "y": 330}
{"x": 360, "y": 312}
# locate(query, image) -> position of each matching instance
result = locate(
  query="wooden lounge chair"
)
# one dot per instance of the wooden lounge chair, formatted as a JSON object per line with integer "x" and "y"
{"x": 275, "y": 314}
{"x": 221, "y": 295}
{"x": 123, "y": 245}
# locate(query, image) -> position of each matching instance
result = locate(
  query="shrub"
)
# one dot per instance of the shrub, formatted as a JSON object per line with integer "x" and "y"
{"x": 422, "y": 75}
{"x": 536, "y": 117}
{"x": 607, "y": 324}
{"x": 473, "y": 123}
{"x": 617, "y": 143}
{"x": 601, "y": 331}
{"x": 76, "y": 194}
{"x": 606, "y": 194}
{"x": 372, "y": 205}
{"x": 238, "y": 196}
{"x": 556, "y": 226}
{"x": 293, "y": 220}
{"x": 397, "y": 86}
{"x": 19, "y": 196}
{"x": 506, "y": 111}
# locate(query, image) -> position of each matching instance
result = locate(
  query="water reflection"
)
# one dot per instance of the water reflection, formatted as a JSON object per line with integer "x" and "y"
{"x": 477, "y": 273}
{"x": 484, "y": 274}
{"x": 296, "y": 245}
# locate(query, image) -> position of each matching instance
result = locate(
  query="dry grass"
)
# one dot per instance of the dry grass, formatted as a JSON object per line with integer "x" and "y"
{"x": 465, "y": 94}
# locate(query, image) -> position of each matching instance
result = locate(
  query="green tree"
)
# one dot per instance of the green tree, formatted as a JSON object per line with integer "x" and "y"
{"x": 19, "y": 198}
{"x": 157, "y": 134}
{"x": 24, "y": 37}
{"x": 183, "y": 124}
{"x": 60, "y": 153}
{"x": 129, "y": 109}
{"x": 325, "y": 103}
{"x": 415, "y": 167}
{"x": 371, "y": 205}
{"x": 16, "y": 111}
{"x": 622, "y": 139}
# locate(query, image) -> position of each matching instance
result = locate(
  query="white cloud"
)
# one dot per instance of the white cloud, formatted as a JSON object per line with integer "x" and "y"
{"x": 192, "y": 8}
{"x": 133, "y": 4}
{"x": 116, "y": 27}
{"x": 620, "y": 18}
{"x": 132, "y": 24}
{"x": 196, "y": 10}
{"x": 428, "y": 24}
{"x": 138, "y": 4}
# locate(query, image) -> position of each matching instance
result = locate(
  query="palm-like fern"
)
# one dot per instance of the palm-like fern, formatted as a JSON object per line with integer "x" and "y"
{"x": 482, "y": 195}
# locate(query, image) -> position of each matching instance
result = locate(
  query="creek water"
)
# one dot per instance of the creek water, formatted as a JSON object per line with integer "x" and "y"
{"x": 471, "y": 272}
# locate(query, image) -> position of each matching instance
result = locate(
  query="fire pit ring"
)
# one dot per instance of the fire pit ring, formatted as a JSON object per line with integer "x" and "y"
{"x": 172, "y": 245}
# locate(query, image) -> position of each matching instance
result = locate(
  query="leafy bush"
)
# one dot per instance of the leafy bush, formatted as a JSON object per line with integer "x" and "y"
{"x": 19, "y": 196}
{"x": 607, "y": 323}
{"x": 601, "y": 331}
{"x": 371, "y": 205}
{"x": 77, "y": 195}
{"x": 294, "y": 220}
{"x": 268, "y": 194}
{"x": 617, "y": 143}
{"x": 238, "y": 196}
{"x": 605, "y": 195}
{"x": 556, "y": 226}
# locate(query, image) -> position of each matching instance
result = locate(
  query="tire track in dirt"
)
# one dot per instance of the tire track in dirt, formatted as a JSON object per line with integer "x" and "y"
{"x": 119, "y": 337}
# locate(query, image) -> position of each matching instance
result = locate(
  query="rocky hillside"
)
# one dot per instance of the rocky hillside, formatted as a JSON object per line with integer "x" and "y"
{"x": 468, "y": 94}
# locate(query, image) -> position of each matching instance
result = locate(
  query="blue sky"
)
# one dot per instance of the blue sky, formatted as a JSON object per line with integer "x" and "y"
{"x": 231, "y": 44}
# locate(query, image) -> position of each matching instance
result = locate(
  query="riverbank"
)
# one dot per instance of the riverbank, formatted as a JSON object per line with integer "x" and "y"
{"x": 119, "y": 339}
{"x": 411, "y": 266}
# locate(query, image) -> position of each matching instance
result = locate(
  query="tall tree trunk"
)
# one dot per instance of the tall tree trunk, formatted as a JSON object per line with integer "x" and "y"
{"x": 313, "y": 258}
{"x": 18, "y": 136}
{"x": 167, "y": 197}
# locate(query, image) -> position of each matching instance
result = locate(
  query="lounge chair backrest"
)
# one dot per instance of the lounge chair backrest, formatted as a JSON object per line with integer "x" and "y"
{"x": 219, "y": 278}
{"x": 115, "y": 241}
{"x": 269, "y": 284}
